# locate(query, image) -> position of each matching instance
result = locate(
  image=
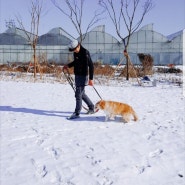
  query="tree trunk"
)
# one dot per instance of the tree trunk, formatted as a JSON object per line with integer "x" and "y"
{"x": 127, "y": 63}
{"x": 35, "y": 62}
{"x": 127, "y": 77}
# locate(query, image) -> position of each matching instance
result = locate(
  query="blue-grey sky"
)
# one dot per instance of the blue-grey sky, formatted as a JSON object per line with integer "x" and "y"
{"x": 168, "y": 16}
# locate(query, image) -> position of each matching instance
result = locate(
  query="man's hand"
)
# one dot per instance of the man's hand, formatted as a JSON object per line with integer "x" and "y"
{"x": 65, "y": 67}
{"x": 91, "y": 82}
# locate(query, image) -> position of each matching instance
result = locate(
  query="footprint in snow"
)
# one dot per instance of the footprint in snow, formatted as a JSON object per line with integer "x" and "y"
{"x": 149, "y": 135}
{"x": 155, "y": 153}
{"x": 39, "y": 141}
{"x": 55, "y": 177}
{"x": 40, "y": 169}
{"x": 139, "y": 169}
{"x": 103, "y": 177}
{"x": 93, "y": 160}
{"x": 35, "y": 130}
{"x": 54, "y": 152}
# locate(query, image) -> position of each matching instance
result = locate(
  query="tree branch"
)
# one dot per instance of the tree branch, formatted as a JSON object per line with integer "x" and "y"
{"x": 75, "y": 15}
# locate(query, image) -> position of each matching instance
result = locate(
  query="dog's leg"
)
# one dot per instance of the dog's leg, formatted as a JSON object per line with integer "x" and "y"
{"x": 126, "y": 118}
{"x": 112, "y": 116}
{"x": 106, "y": 117}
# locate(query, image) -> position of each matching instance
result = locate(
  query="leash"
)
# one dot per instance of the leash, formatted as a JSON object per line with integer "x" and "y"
{"x": 68, "y": 77}
{"x": 97, "y": 92}
{"x": 71, "y": 81}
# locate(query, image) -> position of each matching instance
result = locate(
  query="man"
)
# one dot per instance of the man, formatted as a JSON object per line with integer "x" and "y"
{"x": 83, "y": 70}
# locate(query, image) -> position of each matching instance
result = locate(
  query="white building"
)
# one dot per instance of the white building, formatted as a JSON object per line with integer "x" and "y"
{"x": 103, "y": 47}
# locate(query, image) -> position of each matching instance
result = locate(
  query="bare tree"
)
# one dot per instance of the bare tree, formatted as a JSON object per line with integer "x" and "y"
{"x": 32, "y": 36}
{"x": 127, "y": 17}
{"x": 74, "y": 11}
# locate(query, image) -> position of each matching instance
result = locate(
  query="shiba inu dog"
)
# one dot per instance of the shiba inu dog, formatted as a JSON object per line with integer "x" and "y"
{"x": 112, "y": 108}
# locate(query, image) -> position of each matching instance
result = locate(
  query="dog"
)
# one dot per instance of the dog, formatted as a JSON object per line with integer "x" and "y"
{"x": 112, "y": 108}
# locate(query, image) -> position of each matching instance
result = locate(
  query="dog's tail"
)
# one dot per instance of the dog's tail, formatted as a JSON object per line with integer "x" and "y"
{"x": 134, "y": 115}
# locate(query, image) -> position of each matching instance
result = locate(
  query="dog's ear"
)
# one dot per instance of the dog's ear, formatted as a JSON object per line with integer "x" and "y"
{"x": 97, "y": 103}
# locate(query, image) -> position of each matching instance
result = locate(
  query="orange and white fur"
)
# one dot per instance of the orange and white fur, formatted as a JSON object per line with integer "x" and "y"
{"x": 112, "y": 108}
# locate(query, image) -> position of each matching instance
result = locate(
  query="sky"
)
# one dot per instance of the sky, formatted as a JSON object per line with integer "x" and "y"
{"x": 167, "y": 16}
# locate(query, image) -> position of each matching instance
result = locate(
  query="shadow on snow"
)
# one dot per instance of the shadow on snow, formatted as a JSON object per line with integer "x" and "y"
{"x": 50, "y": 113}
{"x": 33, "y": 111}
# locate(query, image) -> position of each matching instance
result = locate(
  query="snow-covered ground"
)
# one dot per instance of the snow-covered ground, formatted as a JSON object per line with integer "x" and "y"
{"x": 39, "y": 146}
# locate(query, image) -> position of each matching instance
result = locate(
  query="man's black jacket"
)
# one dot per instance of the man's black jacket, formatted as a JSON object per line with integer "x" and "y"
{"x": 83, "y": 65}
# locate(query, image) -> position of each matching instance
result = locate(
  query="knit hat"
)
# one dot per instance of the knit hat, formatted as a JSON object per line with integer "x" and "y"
{"x": 73, "y": 45}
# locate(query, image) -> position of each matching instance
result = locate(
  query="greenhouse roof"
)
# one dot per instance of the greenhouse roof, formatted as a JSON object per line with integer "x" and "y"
{"x": 12, "y": 39}
{"x": 60, "y": 31}
{"x": 174, "y": 35}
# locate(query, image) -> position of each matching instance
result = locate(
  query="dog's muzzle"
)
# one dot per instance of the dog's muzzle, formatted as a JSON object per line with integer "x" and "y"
{"x": 96, "y": 109}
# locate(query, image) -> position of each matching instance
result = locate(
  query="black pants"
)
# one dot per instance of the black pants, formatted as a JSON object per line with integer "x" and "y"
{"x": 80, "y": 95}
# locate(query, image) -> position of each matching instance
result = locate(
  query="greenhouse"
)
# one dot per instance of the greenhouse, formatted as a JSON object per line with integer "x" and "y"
{"x": 103, "y": 47}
